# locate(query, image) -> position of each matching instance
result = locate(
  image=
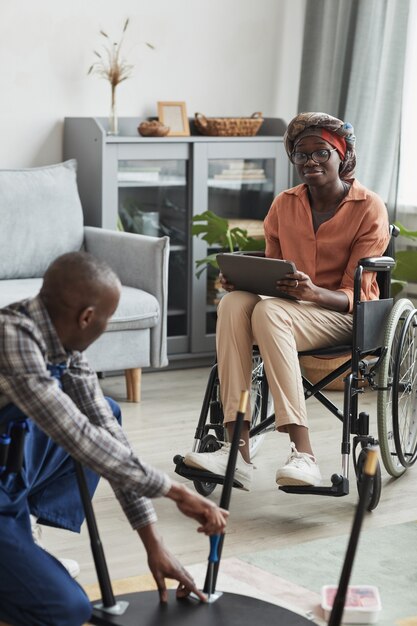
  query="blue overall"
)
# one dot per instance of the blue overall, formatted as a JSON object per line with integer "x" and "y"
{"x": 35, "y": 588}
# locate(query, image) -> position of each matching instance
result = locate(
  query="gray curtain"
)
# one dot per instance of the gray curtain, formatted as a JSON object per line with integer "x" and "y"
{"x": 353, "y": 68}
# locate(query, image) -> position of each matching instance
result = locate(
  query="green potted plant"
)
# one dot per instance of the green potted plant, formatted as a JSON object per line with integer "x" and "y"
{"x": 216, "y": 231}
{"x": 405, "y": 270}
{"x": 219, "y": 234}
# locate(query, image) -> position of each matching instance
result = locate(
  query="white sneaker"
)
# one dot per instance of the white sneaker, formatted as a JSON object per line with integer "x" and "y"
{"x": 216, "y": 462}
{"x": 70, "y": 565}
{"x": 300, "y": 469}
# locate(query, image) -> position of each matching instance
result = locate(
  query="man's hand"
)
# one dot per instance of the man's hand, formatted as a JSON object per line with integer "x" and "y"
{"x": 161, "y": 562}
{"x": 164, "y": 565}
{"x": 212, "y": 518}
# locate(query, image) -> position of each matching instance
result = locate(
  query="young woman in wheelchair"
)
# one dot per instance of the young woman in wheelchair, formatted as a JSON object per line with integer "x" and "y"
{"x": 324, "y": 225}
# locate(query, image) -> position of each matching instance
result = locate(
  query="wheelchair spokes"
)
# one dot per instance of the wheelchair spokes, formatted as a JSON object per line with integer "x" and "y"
{"x": 261, "y": 403}
{"x": 210, "y": 432}
{"x": 405, "y": 394}
{"x": 391, "y": 389}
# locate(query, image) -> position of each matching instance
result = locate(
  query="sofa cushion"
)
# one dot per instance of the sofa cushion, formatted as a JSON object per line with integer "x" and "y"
{"x": 18, "y": 289}
{"x": 129, "y": 349}
{"x": 40, "y": 218}
{"x": 137, "y": 309}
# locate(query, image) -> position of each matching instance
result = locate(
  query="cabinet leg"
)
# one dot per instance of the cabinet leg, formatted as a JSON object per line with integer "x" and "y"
{"x": 133, "y": 384}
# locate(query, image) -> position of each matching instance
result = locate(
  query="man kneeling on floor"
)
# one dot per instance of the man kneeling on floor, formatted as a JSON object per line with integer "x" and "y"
{"x": 48, "y": 389}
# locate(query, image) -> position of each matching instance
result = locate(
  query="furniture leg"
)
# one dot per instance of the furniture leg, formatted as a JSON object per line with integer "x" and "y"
{"x": 133, "y": 384}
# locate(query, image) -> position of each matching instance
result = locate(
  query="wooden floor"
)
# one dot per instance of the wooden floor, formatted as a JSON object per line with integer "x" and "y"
{"x": 163, "y": 425}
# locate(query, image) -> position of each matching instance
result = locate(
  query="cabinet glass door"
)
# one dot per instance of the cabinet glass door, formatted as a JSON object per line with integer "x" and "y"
{"x": 240, "y": 190}
{"x": 237, "y": 180}
{"x": 153, "y": 200}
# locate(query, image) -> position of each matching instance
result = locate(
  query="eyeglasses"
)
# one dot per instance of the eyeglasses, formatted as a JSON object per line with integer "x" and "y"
{"x": 318, "y": 156}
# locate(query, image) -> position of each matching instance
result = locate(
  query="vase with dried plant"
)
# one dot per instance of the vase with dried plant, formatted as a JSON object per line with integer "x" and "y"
{"x": 114, "y": 68}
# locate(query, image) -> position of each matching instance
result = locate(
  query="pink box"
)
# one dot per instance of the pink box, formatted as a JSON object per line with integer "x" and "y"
{"x": 362, "y": 605}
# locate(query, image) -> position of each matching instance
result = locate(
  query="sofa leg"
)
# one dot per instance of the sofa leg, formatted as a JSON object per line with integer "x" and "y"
{"x": 133, "y": 384}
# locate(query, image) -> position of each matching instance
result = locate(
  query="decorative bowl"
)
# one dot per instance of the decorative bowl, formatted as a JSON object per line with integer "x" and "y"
{"x": 153, "y": 129}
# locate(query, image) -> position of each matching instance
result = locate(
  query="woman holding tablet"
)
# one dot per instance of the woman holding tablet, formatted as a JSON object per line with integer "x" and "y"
{"x": 324, "y": 226}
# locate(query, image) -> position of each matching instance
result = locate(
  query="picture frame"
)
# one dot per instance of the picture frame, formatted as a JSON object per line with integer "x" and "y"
{"x": 174, "y": 115}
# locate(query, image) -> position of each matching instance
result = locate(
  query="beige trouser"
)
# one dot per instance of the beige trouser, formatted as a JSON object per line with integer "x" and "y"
{"x": 280, "y": 328}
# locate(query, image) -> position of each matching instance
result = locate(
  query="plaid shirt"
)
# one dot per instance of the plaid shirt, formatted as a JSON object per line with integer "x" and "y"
{"x": 78, "y": 418}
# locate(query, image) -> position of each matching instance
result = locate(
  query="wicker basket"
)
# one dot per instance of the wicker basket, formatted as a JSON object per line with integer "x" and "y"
{"x": 315, "y": 368}
{"x": 228, "y": 126}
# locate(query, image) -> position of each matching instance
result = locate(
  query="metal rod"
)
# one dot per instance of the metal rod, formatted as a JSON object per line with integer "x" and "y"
{"x": 96, "y": 545}
{"x": 213, "y": 566}
{"x": 340, "y": 598}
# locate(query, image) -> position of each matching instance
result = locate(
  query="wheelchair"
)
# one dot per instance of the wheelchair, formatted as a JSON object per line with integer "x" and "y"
{"x": 383, "y": 354}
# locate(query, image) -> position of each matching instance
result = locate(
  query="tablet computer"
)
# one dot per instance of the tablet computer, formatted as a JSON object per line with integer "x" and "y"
{"x": 253, "y": 273}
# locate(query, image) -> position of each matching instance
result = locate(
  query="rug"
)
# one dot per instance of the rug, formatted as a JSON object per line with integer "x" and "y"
{"x": 292, "y": 577}
{"x": 235, "y": 576}
{"x": 385, "y": 557}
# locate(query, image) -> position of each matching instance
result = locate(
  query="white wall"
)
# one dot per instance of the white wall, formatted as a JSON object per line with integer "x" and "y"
{"x": 222, "y": 57}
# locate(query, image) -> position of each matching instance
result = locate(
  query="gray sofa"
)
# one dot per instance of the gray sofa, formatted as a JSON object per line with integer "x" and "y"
{"x": 41, "y": 217}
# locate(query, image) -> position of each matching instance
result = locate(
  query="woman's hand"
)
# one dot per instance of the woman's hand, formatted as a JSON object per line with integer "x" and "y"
{"x": 225, "y": 285}
{"x": 298, "y": 285}
{"x": 301, "y": 287}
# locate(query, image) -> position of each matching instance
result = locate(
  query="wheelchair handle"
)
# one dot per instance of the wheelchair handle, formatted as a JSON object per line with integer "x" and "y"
{"x": 377, "y": 263}
{"x": 394, "y": 231}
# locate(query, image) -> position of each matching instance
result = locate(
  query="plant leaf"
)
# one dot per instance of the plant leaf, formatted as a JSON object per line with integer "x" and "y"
{"x": 254, "y": 245}
{"x": 204, "y": 263}
{"x": 213, "y": 228}
{"x": 406, "y": 265}
{"x": 397, "y": 286}
{"x": 404, "y": 232}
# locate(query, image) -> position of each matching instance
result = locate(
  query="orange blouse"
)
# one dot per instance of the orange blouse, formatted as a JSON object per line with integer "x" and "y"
{"x": 358, "y": 229}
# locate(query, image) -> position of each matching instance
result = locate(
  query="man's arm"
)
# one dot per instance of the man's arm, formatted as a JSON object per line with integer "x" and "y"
{"x": 26, "y": 382}
{"x": 82, "y": 385}
{"x": 211, "y": 519}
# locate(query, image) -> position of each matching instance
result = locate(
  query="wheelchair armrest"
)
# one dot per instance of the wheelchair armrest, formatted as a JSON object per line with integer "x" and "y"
{"x": 377, "y": 263}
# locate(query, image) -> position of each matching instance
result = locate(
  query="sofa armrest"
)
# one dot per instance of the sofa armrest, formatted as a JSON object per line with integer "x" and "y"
{"x": 141, "y": 262}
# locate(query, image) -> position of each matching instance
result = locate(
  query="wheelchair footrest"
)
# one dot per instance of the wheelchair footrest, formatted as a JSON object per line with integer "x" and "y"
{"x": 192, "y": 473}
{"x": 339, "y": 487}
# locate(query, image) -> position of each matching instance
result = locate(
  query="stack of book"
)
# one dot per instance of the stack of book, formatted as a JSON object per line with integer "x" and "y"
{"x": 142, "y": 175}
{"x": 242, "y": 171}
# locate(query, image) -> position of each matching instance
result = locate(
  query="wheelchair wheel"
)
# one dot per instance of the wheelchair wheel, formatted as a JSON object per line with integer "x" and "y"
{"x": 209, "y": 443}
{"x": 404, "y": 394}
{"x": 385, "y": 404}
{"x": 257, "y": 399}
{"x": 375, "y": 492}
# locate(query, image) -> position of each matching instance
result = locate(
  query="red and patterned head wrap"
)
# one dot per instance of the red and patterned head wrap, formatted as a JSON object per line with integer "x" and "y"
{"x": 337, "y": 133}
